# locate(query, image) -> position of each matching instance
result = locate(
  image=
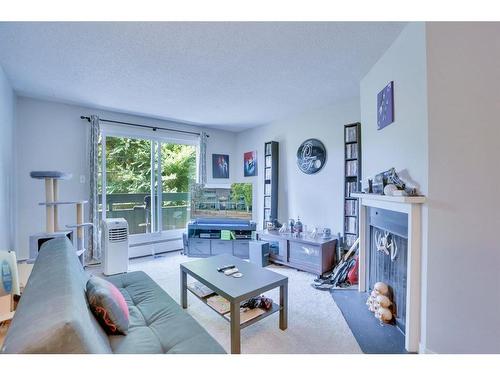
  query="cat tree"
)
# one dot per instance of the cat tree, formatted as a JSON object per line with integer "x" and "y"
{"x": 52, "y": 203}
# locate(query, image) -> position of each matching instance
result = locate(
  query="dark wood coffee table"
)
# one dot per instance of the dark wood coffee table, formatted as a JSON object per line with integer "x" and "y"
{"x": 255, "y": 281}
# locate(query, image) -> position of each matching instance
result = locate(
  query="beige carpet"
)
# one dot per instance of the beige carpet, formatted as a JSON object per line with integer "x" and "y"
{"x": 315, "y": 324}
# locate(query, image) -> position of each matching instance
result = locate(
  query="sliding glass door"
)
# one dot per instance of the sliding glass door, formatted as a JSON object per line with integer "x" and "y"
{"x": 127, "y": 184}
{"x": 147, "y": 182}
{"x": 177, "y": 167}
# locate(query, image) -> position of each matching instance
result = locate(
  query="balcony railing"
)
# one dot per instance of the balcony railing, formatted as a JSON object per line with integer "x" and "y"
{"x": 136, "y": 209}
{"x": 176, "y": 210}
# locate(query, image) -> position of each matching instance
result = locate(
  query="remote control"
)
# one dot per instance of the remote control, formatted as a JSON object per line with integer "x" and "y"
{"x": 223, "y": 268}
{"x": 230, "y": 271}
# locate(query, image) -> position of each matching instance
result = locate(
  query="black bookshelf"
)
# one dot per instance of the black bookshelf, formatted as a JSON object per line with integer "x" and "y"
{"x": 271, "y": 165}
{"x": 352, "y": 181}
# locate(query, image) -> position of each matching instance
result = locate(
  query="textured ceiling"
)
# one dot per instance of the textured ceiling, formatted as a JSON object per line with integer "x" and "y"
{"x": 226, "y": 75}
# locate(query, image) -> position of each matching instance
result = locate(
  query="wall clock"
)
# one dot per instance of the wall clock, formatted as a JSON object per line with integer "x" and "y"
{"x": 311, "y": 156}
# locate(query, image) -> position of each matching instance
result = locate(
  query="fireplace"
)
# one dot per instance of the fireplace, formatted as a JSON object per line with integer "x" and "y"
{"x": 409, "y": 303}
{"x": 389, "y": 268}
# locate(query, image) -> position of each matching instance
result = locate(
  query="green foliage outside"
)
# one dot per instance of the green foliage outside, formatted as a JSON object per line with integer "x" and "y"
{"x": 178, "y": 167}
{"x": 128, "y": 166}
{"x": 241, "y": 190}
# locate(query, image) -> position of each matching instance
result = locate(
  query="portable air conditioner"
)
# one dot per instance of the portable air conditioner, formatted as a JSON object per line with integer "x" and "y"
{"x": 114, "y": 246}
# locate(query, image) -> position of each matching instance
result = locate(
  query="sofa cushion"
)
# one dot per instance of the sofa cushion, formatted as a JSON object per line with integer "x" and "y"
{"x": 108, "y": 305}
{"x": 157, "y": 323}
{"x": 53, "y": 315}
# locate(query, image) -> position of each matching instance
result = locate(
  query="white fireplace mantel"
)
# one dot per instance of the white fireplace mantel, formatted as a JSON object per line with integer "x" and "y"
{"x": 412, "y": 206}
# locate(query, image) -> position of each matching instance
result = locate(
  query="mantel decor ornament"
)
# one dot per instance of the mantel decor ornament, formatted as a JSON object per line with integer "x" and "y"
{"x": 311, "y": 156}
{"x": 389, "y": 183}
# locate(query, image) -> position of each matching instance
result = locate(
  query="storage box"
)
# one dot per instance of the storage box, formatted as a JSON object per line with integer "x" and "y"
{"x": 259, "y": 253}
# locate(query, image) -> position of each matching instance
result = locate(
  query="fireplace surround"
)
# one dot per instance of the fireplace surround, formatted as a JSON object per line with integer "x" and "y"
{"x": 412, "y": 207}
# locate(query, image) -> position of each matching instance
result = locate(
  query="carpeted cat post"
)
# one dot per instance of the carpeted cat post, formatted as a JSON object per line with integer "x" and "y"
{"x": 52, "y": 204}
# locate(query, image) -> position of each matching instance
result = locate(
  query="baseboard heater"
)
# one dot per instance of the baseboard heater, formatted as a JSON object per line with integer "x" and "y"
{"x": 155, "y": 242}
{"x": 161, "y": 253}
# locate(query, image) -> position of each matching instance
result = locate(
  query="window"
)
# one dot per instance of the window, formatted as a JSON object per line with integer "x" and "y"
{"x": 147, "y": 182}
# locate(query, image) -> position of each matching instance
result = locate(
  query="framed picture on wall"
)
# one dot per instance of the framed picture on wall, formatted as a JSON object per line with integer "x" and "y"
{"x": 220, "y": 166}
{"x": 250, "y": 163}
{"x": 385, "y": 106}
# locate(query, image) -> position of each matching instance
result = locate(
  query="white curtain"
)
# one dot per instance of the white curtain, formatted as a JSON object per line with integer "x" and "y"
{"x": 202, "y": 166}
{"x": 93, "y": 246}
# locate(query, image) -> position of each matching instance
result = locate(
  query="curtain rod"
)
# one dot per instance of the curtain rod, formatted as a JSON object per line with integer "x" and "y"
{"x": 154, "y": 128}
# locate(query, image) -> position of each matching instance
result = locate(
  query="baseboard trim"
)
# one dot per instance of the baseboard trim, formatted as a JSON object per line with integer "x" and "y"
{"x": 423, "y": 350}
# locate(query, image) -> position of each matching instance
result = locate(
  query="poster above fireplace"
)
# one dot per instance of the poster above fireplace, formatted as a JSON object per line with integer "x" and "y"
{"x": 385, "y": 106}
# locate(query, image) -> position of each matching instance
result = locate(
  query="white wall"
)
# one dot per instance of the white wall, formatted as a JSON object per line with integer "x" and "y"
{"x": 464, "y": 153}
{"x": 317, "y": 199}
{"x": 402, "y": 144}
{"x": 51, "y": 136}
{"x": 7, "y": 115}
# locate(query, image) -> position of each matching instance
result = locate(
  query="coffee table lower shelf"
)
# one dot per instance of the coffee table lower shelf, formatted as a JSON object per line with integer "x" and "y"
{"x": 274, "y": 308}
